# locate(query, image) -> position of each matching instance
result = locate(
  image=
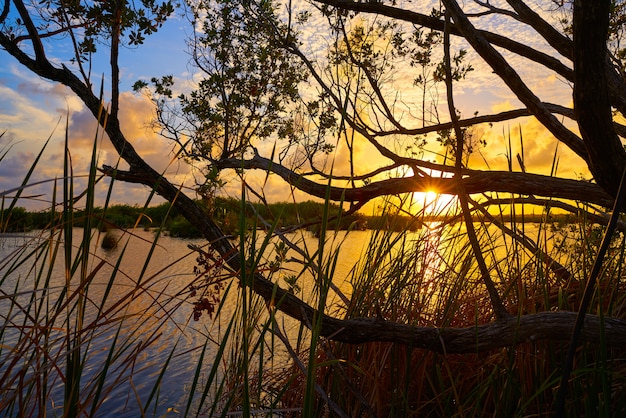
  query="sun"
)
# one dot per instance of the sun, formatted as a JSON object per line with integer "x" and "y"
{"x": 425, "y": 198}
{"x": 432, "y": 202}
{"x": 430, "y": 196}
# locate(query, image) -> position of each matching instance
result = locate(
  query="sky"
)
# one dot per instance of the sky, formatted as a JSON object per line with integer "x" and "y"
{"x": 33, "y": 110}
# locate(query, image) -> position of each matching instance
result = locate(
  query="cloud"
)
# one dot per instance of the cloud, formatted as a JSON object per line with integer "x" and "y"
{"x": 14, "y": 167}
{"x": 26, "y": 116}
{"x": 52, "y": 95}
{"x": 135, "y": 115}
{"x": 32, "y": 107}
{"x": 532, "y": 141}
{"x": 32, "y": 113}
{"x": 503, "y": 106}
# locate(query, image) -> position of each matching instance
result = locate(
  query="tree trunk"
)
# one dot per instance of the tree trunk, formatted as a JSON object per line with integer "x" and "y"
{"x": 606, "y": 156}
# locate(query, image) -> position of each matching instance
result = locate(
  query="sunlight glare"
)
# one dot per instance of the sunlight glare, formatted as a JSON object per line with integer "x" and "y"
{"x": 432, "y": 202}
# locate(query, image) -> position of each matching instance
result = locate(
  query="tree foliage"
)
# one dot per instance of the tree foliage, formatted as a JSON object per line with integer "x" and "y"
{"x": 269, "y": 101}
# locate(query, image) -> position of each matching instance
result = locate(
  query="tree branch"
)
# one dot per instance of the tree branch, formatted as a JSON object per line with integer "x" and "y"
{"x": 474, "y": 181}
{"x": 492, "y": 118}
{"x": 555, "y": 326}
{"x": 501, "y": 67}
{"x": 40, "y": 55}
{"x": 494, "y": 296}
{"x": 509, "y": 332}
{"x": 563, "y": 45}
{"x": 437, "y": 24}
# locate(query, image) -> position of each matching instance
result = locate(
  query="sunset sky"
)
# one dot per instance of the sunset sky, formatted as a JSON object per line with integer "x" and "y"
{"x": 32, "y": 109}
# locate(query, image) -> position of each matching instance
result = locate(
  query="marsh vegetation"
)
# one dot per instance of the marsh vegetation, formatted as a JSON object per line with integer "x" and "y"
{"x": 450, "y": 305}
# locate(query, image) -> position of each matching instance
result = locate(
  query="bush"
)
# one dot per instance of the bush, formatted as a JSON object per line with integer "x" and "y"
{"x": 109, "y": 241}
{"x": 180, "y": 227}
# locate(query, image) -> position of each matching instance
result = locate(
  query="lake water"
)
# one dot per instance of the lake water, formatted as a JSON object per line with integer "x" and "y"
{"x": 155, "y": 304}
{"x": 169, "y": 271}
{"x": 158, "y": 314}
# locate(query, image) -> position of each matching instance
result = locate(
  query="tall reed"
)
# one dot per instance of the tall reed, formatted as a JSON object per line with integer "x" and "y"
{"x": 79, "y": 329}
{"x": 430, "y": 278}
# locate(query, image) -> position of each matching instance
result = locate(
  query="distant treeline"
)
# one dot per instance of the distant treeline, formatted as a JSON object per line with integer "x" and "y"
{"x": 227, "y": 213}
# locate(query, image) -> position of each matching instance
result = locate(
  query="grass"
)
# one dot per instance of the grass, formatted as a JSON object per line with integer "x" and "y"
{"x": 76, "y": 326}
{"x": 84, "y": 334}
{"x": 431, "y": 279}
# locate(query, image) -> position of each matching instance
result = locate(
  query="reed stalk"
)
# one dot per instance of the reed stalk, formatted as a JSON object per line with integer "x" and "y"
{"x": 75, "y": 338}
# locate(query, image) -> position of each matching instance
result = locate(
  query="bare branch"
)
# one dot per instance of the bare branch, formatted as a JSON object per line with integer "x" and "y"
{"x": 513, "y": 80}
{"x": 496, "y": 301}
{"x": 475, "y": 181}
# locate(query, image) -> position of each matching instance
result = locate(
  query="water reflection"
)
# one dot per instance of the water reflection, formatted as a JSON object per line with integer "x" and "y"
{"x": 133, "y": 304}
{"x": 139, "y": 316}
